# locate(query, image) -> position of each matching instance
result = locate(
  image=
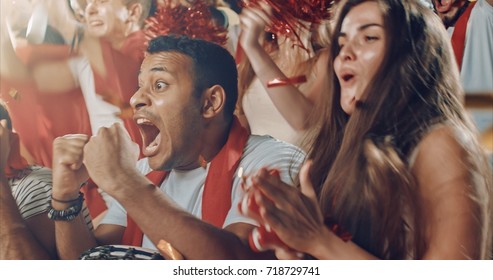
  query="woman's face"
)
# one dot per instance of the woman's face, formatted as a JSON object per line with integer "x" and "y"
{"x": 362, "y": 47}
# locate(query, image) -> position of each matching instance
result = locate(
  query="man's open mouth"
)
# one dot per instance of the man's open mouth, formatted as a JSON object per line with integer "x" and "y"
{"x": 151, "y": 136}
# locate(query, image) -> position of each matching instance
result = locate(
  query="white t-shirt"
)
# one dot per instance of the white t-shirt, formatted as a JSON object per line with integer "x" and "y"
{"x": 477, "y": 60}
{"x": 186, "y": 187}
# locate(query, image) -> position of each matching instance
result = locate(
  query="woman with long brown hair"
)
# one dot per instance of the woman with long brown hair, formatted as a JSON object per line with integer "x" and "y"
{"x": 395, "y": 169}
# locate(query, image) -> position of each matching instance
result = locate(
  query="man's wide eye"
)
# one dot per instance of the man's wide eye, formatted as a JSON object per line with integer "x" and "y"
{"x": 160, "y": 85}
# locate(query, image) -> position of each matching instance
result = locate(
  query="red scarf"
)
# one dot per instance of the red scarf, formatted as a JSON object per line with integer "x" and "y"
{"x": 118, "y": 84}
{"x": 459, "y": 34}
{"x": 15, "y": 162}
{"x": 94, "y": 201}
{"x": 216, "y": 200}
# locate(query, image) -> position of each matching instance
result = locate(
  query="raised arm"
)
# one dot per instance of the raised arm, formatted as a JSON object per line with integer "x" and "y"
{"x": 295, "y": 105}
{"x": 16, "y": 240}
{"x": 79, "y": 42}
{"x": 73, "y": 236}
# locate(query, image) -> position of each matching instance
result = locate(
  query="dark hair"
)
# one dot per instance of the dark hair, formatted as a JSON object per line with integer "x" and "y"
{"x": 212, "y": 65}
{"x": 361, "y": 163}
{"x": 4, "y": 114}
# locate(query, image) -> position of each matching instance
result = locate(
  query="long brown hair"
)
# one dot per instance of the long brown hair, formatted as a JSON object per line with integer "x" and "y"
{"x": 361, "y": 163}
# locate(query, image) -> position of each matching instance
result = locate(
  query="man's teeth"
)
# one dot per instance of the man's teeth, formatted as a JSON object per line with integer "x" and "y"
{"x": 154, "y": 142}
{"x": 143, "y": 121}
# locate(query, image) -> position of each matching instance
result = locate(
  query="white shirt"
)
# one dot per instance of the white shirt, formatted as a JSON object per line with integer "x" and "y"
{"x": 477, "y": 61}
{"x": 186, "y": 187}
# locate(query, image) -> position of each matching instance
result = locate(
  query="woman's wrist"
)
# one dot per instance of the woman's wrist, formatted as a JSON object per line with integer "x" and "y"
{"x": 252, "y": 48}
{"x": 321, "y": 247}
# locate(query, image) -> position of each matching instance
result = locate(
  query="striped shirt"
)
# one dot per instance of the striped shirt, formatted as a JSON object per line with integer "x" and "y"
{"x": 31, "y": 189}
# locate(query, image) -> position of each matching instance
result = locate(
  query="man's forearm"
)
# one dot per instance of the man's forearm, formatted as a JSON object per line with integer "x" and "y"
{"x": 72, "y": 237}
{"x": 160, "y": 219}
{"x": 16, "y": 240}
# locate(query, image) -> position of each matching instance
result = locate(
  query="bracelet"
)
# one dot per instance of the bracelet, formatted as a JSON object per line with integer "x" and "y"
{"x": 67, "y": 201}
{"x": 277, "y": 82}
{"x": 69, "y": 213}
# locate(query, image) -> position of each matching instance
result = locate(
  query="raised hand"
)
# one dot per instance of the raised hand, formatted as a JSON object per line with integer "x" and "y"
{"x": 69, "y": 171}
{"x": 253, "y": 20}
{"x": 109, "y": 155}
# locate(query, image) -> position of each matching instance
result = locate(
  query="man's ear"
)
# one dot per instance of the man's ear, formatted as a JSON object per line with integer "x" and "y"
{"x": 134, "y": 13}
{"x": 213, "y": 101}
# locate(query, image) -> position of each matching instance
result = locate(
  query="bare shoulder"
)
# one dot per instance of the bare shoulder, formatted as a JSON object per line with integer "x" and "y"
{"x": 447, "y": 171}
{"x": 443, "y": 154}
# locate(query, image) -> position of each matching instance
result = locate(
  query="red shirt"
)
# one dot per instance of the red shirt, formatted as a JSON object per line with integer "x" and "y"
{"x": 39, "y": 117}
{"x": 121, "y": 80}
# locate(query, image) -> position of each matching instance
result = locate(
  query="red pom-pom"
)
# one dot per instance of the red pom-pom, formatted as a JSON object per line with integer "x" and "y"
{"x": 287, "y": 13}
{"x": 194, "y": 21}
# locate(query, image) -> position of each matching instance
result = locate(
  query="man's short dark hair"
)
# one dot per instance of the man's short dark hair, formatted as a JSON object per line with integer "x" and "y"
{"x": 212, "y": 65}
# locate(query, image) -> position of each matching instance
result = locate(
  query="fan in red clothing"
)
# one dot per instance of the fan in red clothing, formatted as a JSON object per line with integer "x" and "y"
{"x": 194, "y": 21}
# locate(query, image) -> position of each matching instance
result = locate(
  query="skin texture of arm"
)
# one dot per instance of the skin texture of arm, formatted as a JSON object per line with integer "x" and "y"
{"x": 53, "y": 77}
{"x": 17, "y": 240}
{"x": 445, "y": 187}
{"x": 173, "y": 224}
{"x": 17, "y": 237}
{"x": 72, "y": 237}
{"x": 294, "y": 105}
{"x": 90, "y": 47}
{"x": 63, "y": 81}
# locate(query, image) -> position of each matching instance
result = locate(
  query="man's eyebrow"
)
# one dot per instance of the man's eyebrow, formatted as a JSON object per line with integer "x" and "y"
{"x": 362, "y": 27}
{"x": 159, "y": 69}
{"x": 156, "y": 69}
